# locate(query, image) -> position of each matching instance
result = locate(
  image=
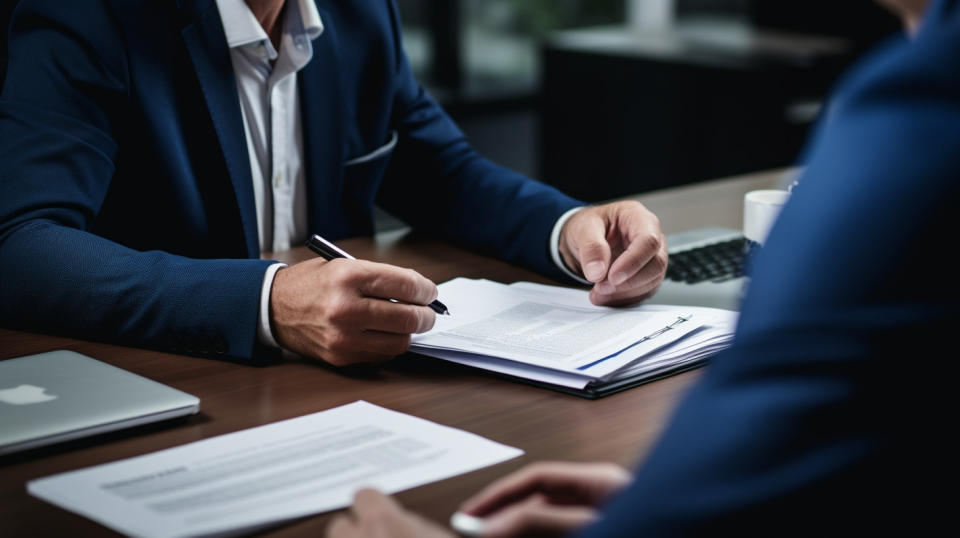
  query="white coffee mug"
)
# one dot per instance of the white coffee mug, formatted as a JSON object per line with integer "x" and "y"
{"x": 760, "y": 210}
{"x": 651, "y": 14}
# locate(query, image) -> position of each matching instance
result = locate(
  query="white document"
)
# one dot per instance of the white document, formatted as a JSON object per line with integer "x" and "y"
{"x": 261, "y": 476}
{"x": 552, "y": 331}
{"x": 697, "y": 346}
{"x": 554, "y": 335}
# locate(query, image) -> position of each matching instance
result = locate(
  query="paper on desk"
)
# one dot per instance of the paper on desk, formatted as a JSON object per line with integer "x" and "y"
{"x": 714, "y": 336}
{"x": 518, "y": 369}
{"x": 556, "y": 310}
{"x": 253, "y": 478}
{"x": 556, "y": 331}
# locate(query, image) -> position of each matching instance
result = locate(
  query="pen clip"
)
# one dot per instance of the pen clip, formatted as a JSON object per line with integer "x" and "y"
{"x": 647, "y": 338}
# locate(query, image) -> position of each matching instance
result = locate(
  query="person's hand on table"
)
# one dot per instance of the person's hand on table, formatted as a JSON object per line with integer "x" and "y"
{"x": 546, "y": 498}
{"x": 340, "y": 310}
{"x": 373, "y": 514}
{"x": 619, "y": 247}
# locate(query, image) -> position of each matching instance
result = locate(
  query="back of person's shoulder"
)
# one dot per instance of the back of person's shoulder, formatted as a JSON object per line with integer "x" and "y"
{"x": 929, "y": 57}
{"x": 936, "y": 45}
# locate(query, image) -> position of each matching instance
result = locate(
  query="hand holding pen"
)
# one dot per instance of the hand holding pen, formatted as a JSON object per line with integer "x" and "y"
{"x": 349, "y": 312}
{"x": 329, "y": 251}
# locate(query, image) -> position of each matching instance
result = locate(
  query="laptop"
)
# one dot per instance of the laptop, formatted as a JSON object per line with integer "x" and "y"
{"x": 705, "y": 269}
{"x": 60, "y": 395}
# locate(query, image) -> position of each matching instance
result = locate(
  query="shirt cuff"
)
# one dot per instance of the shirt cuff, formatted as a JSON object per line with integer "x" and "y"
{"x": 555, "y": 247}
{"x": 264, "y": 334}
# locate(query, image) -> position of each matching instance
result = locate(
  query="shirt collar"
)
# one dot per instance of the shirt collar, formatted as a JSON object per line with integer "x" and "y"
{"x": 310, "y": 17}
{"x": 242, "y": 28}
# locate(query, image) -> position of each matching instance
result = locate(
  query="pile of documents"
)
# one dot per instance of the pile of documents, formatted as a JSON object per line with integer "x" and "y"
{"x": 554, "y": 337}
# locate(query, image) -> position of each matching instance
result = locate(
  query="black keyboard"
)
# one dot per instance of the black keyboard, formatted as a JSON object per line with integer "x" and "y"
{"x": 716, "y": 262}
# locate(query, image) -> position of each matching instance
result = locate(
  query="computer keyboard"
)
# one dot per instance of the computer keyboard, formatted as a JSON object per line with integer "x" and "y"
{"x": 716, "y": 262}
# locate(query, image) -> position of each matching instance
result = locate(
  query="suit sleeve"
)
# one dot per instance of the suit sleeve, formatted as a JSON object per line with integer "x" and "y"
{"x": 826, "y": 416}
{"x": 65, "y": 89}
{"x": 441, "y": 186}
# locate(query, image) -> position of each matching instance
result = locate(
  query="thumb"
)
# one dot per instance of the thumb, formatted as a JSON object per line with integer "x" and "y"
{"x": 588, "y": 242}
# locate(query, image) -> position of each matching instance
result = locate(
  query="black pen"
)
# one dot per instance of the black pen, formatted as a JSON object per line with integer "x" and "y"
{"x": 329, "y": 251}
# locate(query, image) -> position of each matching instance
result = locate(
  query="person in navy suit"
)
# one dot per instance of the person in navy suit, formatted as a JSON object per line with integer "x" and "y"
{"x": 151, "y": 151}
{"x": 833, "y": 412}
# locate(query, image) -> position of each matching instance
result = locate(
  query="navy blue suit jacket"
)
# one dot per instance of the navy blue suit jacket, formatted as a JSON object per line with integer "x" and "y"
{"x": 833, "y": 412}
{"x": 126, "y": 202}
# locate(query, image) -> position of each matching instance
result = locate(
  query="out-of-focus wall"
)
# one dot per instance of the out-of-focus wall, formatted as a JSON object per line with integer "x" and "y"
{"x": 485, "y": 61}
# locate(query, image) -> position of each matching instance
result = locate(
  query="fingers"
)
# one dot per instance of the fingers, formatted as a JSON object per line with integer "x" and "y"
{"x": 376, "y": 515}
{"x": 374, "y": 330}
{"x": 642, "y": 261}
{"x": 629, "y": 237}
{"x": 371, "y": 511}
{"x": 536, "y": 518}
{"x": 508, "y": 490}
{"x": 390, "y": 282}
{"x": 384, "y": 344}
{"x": 586, "y": 237}
{"x": 338, "y": 311}
{"x": 639, "y": 286}
{"x": 371, "y": 503}
{"x": 398, "y": 318}
{"x": 641, "y": 249}
{"x": 561, "y": 482}
{"x": 342, "y": 527}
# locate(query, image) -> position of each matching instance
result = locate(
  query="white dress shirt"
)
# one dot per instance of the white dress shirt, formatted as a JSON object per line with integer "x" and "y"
{"x": 269, "y": 101}
{"x": 270, "y": 104}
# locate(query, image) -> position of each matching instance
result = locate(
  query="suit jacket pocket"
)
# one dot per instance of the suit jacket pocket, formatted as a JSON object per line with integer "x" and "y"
{"x": 379, "y": 153}
{"x": 362, "y": 176}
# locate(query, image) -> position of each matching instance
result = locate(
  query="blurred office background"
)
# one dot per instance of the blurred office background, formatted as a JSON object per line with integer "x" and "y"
{"x": 605, "y": 98}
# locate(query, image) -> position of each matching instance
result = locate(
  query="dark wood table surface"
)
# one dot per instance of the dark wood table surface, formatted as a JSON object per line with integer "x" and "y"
{"x": 544, "y": 423}
{"x": 547, "y": 425}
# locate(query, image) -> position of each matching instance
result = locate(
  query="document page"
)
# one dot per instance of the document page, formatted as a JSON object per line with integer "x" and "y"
{"x": 554, "y": 335}
{"x": 261, "y": 476}
{"x": 715, "y": 335}
{"x": 553, "y": 331}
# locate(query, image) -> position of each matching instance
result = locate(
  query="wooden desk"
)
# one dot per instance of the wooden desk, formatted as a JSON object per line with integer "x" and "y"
{"x": 545, "y": 424}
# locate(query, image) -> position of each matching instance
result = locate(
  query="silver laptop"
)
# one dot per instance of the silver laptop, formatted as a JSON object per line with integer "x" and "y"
{"x": 705, "y": 269}
{"x": 60, "y": 395}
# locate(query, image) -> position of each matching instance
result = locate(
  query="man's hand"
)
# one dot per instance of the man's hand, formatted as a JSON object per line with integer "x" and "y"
{"x": 546, "y": 499}
{"x": 340, "y": 311}
{"x": 619, "y": 247}
{"x": 375, "y": 515}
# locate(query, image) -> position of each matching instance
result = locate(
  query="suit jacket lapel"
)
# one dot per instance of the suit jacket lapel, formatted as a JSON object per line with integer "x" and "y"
{"x": 207, "y": 46}
{"x": 323, "y": 147}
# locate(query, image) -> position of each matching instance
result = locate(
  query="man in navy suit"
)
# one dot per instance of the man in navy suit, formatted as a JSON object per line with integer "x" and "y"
{"x": 834, "y": 411}
{"x": 151, "y": 151}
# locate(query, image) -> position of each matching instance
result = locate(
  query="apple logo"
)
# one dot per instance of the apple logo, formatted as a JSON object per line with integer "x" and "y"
{"x": 25, "y": 395}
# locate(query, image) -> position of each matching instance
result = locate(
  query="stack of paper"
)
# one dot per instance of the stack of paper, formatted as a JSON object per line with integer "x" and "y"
{"x": 554, "y": 336}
